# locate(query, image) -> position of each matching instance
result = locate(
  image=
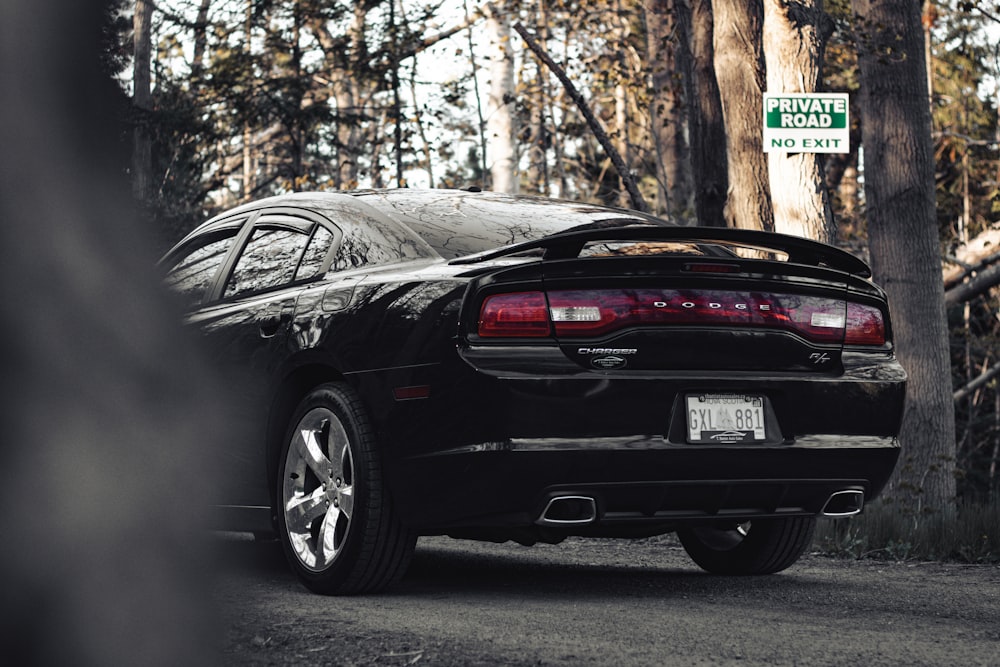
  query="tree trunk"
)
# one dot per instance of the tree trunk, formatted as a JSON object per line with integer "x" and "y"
{"x": 397, "y": 108}
{"x": 481, "y": 122}
{"x": 793, "y": 53}
{"x": 248, "y": 146}
{"x": 142, "y": 99}
{"x": 709, "y": 162}
{"x": 621, "y": 134}
{"x": 342, "y": 64}
{"x": 902, "y": 231}
{"x": 501, "y": 123}
{"x": 200, "y": 42}
{"x": 537, "y": 176}
{"x": 739, "y": 68}
{"x": 668, "y": 54}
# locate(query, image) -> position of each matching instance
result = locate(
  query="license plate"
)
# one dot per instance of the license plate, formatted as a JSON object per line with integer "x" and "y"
{"x": 725, "y": 418}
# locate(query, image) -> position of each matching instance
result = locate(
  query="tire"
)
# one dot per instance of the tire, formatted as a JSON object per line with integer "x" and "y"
{"x": 761, "y": 546}
{"x": 335, "y": 519}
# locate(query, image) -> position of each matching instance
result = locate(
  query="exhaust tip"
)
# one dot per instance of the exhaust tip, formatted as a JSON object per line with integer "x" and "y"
{"x": 568, "y": 511}
{"x": 843, "y": 503}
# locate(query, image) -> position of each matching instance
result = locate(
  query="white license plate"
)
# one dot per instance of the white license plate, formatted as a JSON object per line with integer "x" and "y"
{"x": 725, "y": 418}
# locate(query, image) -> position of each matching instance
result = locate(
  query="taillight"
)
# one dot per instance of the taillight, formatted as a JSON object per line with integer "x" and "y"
{"x": 593, "y": 313}
{"x": 514, "y": 315}
{"x": 598, "y": 312}
{"x": 865, "y": 325}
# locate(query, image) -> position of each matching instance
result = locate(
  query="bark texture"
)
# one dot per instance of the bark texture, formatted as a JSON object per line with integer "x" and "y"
{"x": 707, "y": 130}
{"x": 668, "y": 55}
{"x": 142, "y": 99}
{"x": 902, "y": 230}
{"x": 793, "y": 53}
{"x": 501, "y": 122}
{"x": 739, "y": 69}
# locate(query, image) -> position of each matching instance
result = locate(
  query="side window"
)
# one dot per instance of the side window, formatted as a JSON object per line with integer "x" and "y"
{"x": 268, "y": 260}
{"x": 192, "y": 275}
{"x": 316, "y": 251}
{"x": 369, "y": 241}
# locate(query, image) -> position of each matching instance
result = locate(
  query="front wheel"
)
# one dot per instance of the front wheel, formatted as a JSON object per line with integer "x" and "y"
{"x": 335, "y": 519}
{"x": 761, "y": 546}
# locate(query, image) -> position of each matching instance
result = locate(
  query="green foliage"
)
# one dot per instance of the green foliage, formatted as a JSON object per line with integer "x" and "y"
{"x": 973, "y": 536}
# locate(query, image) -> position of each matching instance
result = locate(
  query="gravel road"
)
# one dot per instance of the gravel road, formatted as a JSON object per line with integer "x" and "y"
{"x": 609, "y": 602}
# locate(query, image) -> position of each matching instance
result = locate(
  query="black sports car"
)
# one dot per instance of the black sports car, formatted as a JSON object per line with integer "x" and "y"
{"x": 509, "y": 368}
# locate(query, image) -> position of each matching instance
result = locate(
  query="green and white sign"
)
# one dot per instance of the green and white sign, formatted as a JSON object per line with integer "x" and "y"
{"x": 806, "y": 123}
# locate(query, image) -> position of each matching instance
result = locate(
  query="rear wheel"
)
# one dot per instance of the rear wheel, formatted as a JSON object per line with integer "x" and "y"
{"x": 761, "y": 546}
{"x": 335, "y": 520}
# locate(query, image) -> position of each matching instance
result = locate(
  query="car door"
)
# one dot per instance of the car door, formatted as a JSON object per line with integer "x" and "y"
{"x": 245, "y": 325}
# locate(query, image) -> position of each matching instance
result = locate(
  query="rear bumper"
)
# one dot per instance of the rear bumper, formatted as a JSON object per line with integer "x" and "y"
{"x": 488, "y": 450}
{"x": 636, "y": 482}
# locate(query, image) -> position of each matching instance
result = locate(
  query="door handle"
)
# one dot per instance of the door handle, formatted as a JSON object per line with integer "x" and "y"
{"x": 270, "y": 325}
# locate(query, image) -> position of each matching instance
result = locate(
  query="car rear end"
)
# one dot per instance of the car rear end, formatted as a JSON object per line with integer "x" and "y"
{"x": 637, "y": 380}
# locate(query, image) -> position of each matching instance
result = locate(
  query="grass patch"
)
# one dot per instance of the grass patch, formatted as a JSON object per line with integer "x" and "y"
{"x": 973, "y": 536}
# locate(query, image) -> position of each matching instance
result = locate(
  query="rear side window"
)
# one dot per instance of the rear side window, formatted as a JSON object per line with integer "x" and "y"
{"x": 194, "y": 273}
{"x": 315, "y": 255}
{"x": 268, "y": 260}
{"x": 370, "y": 241}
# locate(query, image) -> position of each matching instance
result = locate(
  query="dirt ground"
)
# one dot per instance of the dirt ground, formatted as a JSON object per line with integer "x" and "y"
{"x": 608, "y": 602}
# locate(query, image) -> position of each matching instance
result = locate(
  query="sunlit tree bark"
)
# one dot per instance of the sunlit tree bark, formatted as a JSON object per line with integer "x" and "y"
{"x": 501, "y": 122}
{"x": 793, "y": 53}
{"x": 739, "y": 69}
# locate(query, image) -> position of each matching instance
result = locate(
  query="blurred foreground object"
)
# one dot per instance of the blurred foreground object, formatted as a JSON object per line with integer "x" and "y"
{"x": 101, "y": 405}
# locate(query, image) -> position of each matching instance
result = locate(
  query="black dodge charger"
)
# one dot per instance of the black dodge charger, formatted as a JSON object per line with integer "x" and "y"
{"x": 495, "y": 367}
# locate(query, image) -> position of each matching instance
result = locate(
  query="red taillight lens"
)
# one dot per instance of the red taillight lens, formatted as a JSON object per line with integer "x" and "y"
{"x": 597, "y": 312}
{"x": 592, "y": 313}
{"x": 865, "y": 325}
{"x": 514, "y": 315}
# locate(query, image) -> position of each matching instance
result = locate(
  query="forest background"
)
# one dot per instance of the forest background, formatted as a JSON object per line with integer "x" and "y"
{"x": 224, "y": 101}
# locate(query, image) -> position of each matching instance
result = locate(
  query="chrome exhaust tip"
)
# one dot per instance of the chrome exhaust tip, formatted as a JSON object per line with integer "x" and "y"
{"x": 568, "y": 511}
{"x": 843, "y": 503}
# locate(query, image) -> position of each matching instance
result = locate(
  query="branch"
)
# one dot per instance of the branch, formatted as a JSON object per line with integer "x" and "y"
{"x": 427, "y": 42}
{"x": 975, "y": 384}
{"x": 953, "y": 279}
{"x": 974, "y": 287}
{"x": 987, "y": 14}
{"x": 974, "y": 255}
{"x": 638, "y": 203}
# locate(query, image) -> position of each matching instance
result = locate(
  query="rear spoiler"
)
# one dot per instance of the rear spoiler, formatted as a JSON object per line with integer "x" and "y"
{"x": 567, "y": 245}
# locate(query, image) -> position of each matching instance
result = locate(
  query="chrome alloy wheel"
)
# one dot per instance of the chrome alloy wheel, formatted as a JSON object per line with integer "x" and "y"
{"x": 318, "y": 489}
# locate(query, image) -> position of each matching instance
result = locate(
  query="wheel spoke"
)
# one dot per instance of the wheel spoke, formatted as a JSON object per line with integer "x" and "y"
{"x": 346, "y": 498}
{"x": 301, "y": 511}
{"x": 307, "y": 445}
{"x": 329, "y": 540}
{"x": 340, "y": 454}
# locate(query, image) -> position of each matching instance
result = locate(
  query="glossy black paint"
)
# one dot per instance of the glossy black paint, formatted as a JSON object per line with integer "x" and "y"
{"x": 383, "y": 291}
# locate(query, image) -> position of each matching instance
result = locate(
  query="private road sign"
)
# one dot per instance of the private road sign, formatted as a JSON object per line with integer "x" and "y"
{"x": 806, "y": 123}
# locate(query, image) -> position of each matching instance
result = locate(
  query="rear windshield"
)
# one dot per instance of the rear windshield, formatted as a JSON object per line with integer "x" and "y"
{"x": 460, "y": 224}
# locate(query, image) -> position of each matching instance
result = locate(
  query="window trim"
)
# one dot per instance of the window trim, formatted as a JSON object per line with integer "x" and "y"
{"x": 238, "y": 223}
{"x": 280, "y": 217}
